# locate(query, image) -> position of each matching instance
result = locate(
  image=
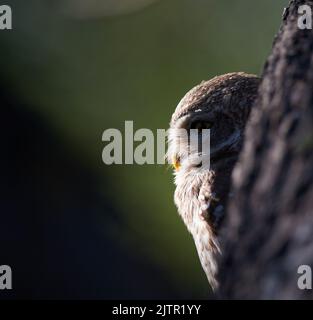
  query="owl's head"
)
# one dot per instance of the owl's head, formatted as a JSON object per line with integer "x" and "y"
{"x": 213, "y": 116}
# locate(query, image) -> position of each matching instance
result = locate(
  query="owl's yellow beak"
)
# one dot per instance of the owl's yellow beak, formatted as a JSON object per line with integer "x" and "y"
{"x": 176, "y": 163}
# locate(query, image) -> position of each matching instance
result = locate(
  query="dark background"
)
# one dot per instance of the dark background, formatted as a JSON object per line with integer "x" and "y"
{"x": 72, "y": 227}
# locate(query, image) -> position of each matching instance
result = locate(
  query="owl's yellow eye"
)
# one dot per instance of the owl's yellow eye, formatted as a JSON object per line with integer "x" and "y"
{"x": 200, "y": 125}
{"x": 176, "y": 163}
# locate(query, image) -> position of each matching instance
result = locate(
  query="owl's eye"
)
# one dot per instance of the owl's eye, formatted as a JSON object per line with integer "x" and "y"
{"x": 199, "y": 125}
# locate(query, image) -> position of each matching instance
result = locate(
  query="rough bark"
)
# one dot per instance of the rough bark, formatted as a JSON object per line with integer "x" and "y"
{"x": 269, "y": 227}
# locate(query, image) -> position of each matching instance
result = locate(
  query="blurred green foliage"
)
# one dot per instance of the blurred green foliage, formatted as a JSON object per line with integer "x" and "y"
{"x": 86, "y": 75}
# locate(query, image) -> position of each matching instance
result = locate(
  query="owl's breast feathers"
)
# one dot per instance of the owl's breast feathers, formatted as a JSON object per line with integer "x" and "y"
{"x": 196, "y": 203}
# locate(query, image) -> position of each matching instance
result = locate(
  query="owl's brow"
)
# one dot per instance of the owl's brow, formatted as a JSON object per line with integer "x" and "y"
{"x": 179, "y": 122}
{"x": 185, "y": 113}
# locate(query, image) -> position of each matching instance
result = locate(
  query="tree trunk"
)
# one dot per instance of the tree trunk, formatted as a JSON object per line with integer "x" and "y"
{"x": 269, "y": 228}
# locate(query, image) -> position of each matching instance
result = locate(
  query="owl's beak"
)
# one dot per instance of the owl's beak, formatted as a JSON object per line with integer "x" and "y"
{"x": 176, "y": 163}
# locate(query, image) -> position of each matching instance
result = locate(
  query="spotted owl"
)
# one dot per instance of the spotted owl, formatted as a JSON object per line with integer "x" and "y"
{"x": 221, "y": 105}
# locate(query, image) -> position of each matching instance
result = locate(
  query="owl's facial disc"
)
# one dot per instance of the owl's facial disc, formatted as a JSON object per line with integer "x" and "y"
{"x": 198, "y": 147}
{"x": 186, "y": 146}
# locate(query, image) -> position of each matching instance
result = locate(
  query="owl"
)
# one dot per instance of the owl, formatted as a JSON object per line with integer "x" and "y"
{"x": 221, "y": 106}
